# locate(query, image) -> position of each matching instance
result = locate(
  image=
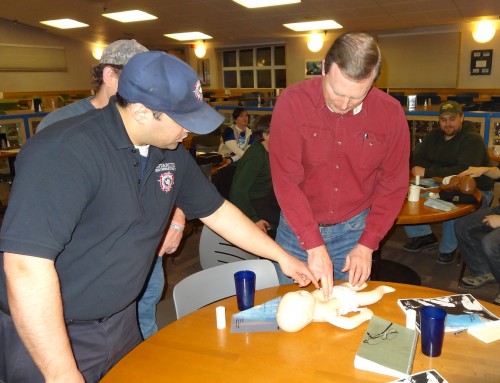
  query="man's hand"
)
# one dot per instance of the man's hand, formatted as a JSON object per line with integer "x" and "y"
{"x": 171, "y": 242}
{"x": 418, "y": 171}
{"x": 321, "y": 265}
{"x": 298, "y": 271}
{"x": 492, "y": 221}
{"x": 263, "y": 225}
{"x": 173, "y": 235}
{"x": 359, "y": 264}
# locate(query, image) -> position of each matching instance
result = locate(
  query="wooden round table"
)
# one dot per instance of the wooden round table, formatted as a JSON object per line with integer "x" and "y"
{"x": 193, "y": 350}
{"x": 418, "y": 213}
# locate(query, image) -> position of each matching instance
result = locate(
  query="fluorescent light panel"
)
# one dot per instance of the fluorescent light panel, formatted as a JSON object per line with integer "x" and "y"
{"x": 129, "y": 16}
{"x": 187, "y": 36}
{"x": 64, "y": 23}
{"x": 314, "y": 25}
{"x": 264, "y": 3}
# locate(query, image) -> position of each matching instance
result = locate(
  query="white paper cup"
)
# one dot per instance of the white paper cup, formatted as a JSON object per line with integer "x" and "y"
{"x": 414, "y": 193}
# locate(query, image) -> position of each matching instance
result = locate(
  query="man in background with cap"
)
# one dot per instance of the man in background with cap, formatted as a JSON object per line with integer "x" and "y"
{"x": 105, "y": 81}
{"x": 444, "y": 152}
{"x": 90, "y": 204}
{"x": 106, "y": 77}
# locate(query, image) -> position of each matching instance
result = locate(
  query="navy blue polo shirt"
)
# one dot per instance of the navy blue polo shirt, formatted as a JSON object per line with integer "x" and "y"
{"x": 78, "y": 199}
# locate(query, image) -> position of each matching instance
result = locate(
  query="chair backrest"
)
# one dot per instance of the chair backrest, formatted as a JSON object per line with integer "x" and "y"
{"x": 223, "y": 180}
{"x": 207, "y": 286}
{"x": 462, "y": 100}
{"x": 216, "y": 251}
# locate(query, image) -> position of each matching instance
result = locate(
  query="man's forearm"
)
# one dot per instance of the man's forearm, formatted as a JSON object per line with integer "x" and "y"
{"x": 36, "y": 307}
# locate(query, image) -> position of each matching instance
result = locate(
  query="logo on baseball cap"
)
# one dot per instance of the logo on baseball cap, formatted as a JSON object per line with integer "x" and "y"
{"x": 164, "y": 83}
{"x": 452, "y": 108}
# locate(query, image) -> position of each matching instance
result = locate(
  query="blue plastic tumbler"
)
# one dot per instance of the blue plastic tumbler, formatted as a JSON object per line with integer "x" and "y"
{"x": 244, "y": 282}
{"x": 432, "y": 324}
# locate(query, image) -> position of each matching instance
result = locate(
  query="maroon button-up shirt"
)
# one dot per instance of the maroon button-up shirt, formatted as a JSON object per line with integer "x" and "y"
{"x": 327, "y": 167}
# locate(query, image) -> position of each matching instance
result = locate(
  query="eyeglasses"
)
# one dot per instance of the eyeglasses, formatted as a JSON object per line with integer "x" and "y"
{"x": 387, "y": 334}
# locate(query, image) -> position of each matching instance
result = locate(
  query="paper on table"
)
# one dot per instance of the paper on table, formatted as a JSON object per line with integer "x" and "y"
{"x": 258, "y": 318}
{"x": 488, "y": 333}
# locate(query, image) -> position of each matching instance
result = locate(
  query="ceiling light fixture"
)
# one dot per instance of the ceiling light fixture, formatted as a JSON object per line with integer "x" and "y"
{"x": 200, "y": 49}
{"x": 130, "y": 16}
{"x": 484, "y": 31}
{"x": 64, "y": 23}
{"x": 188, "y": 36}
{"x": 264, "y": 3}
{"x": 315, "y": 41}
{"x": 313, "y": 25}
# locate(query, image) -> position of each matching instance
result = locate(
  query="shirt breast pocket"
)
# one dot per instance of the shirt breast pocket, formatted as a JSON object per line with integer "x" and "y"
{"x": 317, "y": 144}
{"x": 372, "y": 150}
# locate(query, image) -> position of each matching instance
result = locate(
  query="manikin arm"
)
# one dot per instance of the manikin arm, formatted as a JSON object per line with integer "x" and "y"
{"x": 348, "y": 323}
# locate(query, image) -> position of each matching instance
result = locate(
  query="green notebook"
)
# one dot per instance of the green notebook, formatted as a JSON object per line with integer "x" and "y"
{"x": 387, "y": 348}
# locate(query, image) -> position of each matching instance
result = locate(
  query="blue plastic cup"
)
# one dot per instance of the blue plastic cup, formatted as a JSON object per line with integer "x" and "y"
{"x": 244, "y": 282}
{"x": 432, "y": 324}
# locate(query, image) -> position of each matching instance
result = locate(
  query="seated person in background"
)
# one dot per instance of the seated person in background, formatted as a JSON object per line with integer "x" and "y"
{"x": 237, "y": 138}
{"x": 444, "y": 152}
{"x": 252, "y": 188}
{"x": 478, "y": 236}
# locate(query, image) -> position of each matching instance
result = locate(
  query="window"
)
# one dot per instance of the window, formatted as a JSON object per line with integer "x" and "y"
{"x": 259, "y": 67}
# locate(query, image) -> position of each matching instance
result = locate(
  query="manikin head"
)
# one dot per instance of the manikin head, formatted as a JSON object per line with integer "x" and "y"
{"x": 296, "y": 310}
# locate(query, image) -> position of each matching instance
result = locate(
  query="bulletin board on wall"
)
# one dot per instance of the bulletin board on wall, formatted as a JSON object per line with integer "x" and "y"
{"x": 419, "y": 60}
{"x": 20, "y": 58}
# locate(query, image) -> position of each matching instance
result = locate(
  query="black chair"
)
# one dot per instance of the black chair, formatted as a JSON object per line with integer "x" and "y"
{"x": 495, "y": 104}
{"x": 402, "y": 99}
{"x": 205, "y": 143}
{"x": 468, "y": 94}
{"x": 461, "y": 100}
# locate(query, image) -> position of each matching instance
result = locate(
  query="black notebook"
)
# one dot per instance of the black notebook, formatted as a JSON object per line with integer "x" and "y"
{"x": 387, "y": 348}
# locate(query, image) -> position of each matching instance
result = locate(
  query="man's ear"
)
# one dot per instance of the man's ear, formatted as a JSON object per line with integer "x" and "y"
{"x": 139, "y": 112}
{"x": 109, "y": 75}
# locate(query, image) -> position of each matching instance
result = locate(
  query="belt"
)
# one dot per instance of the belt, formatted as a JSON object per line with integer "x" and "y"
{"x": 326, "y": 224}
{"x": 6, "y": 311}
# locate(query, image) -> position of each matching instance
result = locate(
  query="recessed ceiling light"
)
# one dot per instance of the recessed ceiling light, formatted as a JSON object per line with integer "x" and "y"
{"x": 64, "y": 23}
{"x": 187, "y": 36}
{"x": 129, "y": 16}
{"x": 314, "y": 25}
{"x": 264, "y": 3}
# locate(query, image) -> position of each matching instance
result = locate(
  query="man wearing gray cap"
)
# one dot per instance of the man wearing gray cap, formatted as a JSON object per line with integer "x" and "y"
{"x": 105, "y": 81}
{"x": 106, "y": 77}
{"x": 91, "y": 201}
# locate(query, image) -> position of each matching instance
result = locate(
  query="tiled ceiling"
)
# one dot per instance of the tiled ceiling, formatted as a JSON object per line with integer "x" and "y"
{"x": 231, "y": 24}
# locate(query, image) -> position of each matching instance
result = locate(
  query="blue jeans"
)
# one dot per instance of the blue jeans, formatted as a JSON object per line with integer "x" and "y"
{"x": 339, "y": 239}
{"x": 448, "y": 241}
{"x": 146, "y": 306}
{"x": 479, "y": 244}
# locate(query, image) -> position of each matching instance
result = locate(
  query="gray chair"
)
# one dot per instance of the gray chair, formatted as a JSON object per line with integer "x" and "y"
{"x": 216, "y": 251}
{"x": 216, "y": 283}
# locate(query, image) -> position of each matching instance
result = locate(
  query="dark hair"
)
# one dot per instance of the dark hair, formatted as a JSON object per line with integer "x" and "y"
{"x": 357, "y": 54}
{"x": 124, "y": 103}
{"x": 262, "y": 125}
{"x": 237, "y": 111}
{"x": 97, "y": 73}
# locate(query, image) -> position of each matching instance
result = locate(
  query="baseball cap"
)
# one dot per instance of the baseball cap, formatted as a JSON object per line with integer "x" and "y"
{"x": 452, "y": 108}
{"x": 164, "y": 83}
{"x": 120, "y": 51}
